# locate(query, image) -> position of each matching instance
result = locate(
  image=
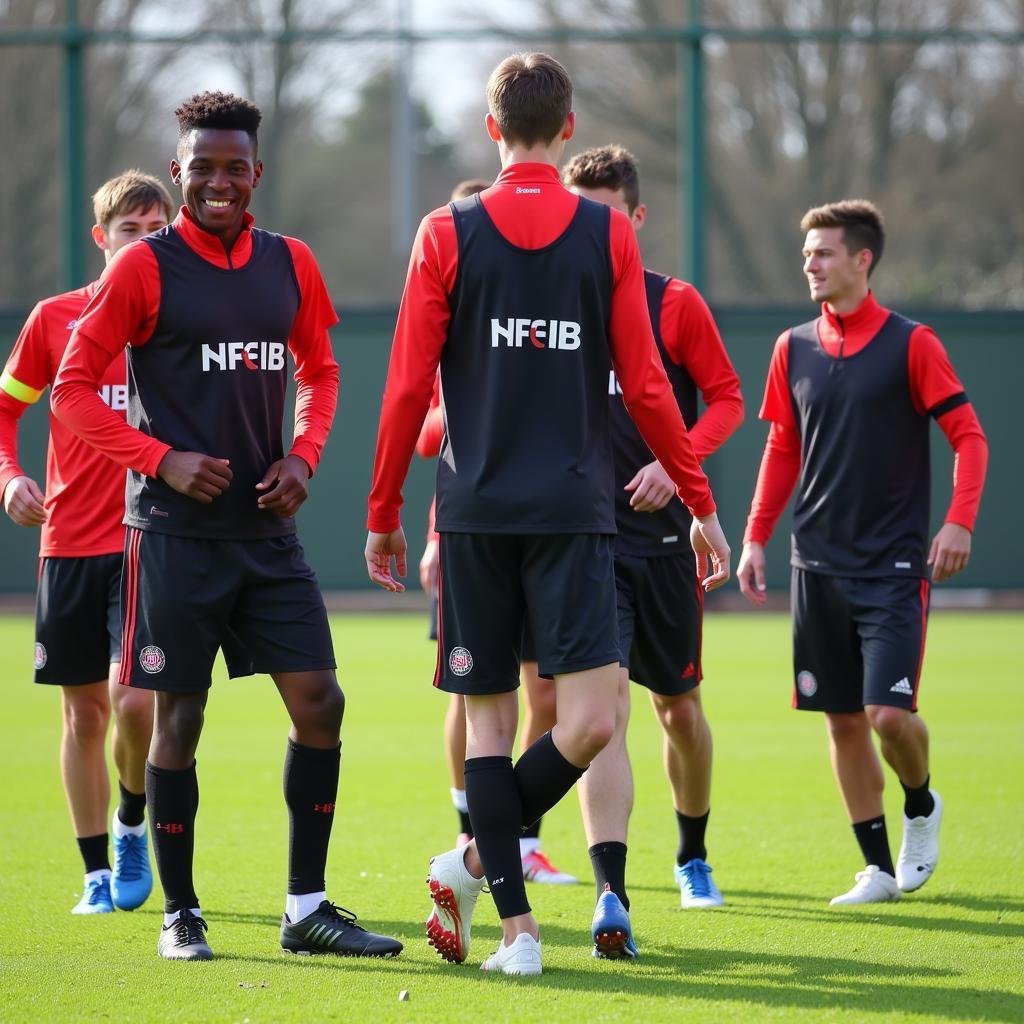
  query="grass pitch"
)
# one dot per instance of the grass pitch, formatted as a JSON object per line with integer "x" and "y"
{"x": 778, "y": 840}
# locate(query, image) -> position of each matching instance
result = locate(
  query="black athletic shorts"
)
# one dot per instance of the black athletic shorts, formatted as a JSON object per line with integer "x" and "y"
{"x": 78, "y": 619}
{"x": 489, "y": 584}
{"x": 183, "y": 598}
{"x": 661, "y": 613}
{"x": 857, "y": 641}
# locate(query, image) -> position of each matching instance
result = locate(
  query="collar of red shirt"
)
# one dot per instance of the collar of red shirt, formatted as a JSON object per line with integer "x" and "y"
{"x": 517, "y": 174}
{"x": 866, "y": 319}
{"x": 210, "y": 247}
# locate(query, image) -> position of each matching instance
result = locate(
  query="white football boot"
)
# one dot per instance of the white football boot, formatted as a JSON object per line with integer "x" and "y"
{"x": 454, "y": 892}
{"x": 873, "y": 886}
{"x": 522, "y": 957}
{"x": 919, "y": 852}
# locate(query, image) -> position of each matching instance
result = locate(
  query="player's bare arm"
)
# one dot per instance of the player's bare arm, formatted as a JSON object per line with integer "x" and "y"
{"x": 428, "y": 567}
{"x": 708, "y": 540}
{"x": 285, "y": 486}
{"x": 380, "y": 549}
{"x": 200, "y": 477}
{"x": 23, "y": 502}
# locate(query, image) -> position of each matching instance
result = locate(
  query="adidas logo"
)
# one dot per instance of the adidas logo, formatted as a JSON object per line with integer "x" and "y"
{"x": 903, "y": 686}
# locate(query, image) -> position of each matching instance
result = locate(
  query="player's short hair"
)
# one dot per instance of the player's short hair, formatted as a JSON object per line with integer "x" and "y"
{"x": 612, "y": 167}
{"x": 860, "y": 220}
{"x": 217, "y": 110}
{"x": 130, "y": 192}
{"x": 529, "y": 95}
{"x": 468, "y": 188}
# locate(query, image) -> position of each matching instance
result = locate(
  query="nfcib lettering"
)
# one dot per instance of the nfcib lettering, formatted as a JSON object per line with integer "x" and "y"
{"x": 253, "y": 355}
{"x": 553, "y": 334}
{"x": 115, "y": 395}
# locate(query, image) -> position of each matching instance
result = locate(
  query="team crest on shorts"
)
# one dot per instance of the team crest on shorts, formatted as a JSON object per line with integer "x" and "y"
{"x": 152, "y": 660}
{"x": 460, "y": 661}
{"x": 807, "y": 684}
{"x": 40, "y": 656}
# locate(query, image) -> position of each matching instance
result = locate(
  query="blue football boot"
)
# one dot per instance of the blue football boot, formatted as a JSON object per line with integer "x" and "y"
{"x": 96, "y": 898}
{"x": 132, "y": 880}
{"x": 613, "y": 938}
{"x": 697, "y": 888}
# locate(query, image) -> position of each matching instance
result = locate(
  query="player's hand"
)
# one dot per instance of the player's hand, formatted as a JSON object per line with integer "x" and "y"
{"x": 285, "y": 486}
{"x": 951, "y": 551}
{"x": 198, "y": 476}
{"x": 380, "y": 548}
{"x": 751, "y": 573}
{"x": 708, "y": 540}
{"x": 428, "y": 567}
{"x": 23, "y": 502}
{"x": 652, "y": 489}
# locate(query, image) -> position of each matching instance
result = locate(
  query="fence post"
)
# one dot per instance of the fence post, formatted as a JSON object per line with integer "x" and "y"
{"x": 73, "y": 269}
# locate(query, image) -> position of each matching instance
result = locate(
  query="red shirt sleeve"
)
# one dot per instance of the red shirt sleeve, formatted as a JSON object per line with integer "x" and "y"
{"x": 777, "y": 405}
{"x": 26, "y": 376}
{"x": 123, "y": 309}
{"x": 691, "y": 339}
{"x": 429, "y": 443}
{"x": 645, "y": 388}
{"x": 780, "y": 470}
{"x": 420, "y": 335}
{"x": 316, "y": 372}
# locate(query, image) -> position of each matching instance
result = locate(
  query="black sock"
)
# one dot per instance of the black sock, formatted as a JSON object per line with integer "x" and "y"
{"x": 496, "y": 811}
{"x": 544, "y": 776}
{"x": 609, "y": 863}
{"x": 94, "y": 852}
{"x": 691, "y": 837}
{"x": 874, "y": 843}
{"x": 132, "y": 809}
{"x": 310, "y": 791}
{"x": 918, "y": 802}
{"x": 533, "y": 831}
{"x": 464, "y": 823}
{"x": 172, "y": 797}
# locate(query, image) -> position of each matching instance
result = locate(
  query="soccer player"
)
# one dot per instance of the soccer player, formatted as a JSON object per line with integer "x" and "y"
{"x": 540, "y": 696}
{"x": 80, "y": 549}
{"x": 849, "y": 397}
{"x": 209, "y": 306}
{"x": 656, "y": 579}
{"x": 527, "y": 296}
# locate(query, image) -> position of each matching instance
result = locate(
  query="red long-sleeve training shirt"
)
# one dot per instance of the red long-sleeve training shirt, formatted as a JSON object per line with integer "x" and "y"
{"x": 125, "y": 307}
{"x": 84, "y": 490}
{"x": 932, "y": 381}
{"x": 530, "y": 220}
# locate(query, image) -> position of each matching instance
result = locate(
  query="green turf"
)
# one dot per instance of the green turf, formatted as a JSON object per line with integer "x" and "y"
{"x": 778, "y": 838}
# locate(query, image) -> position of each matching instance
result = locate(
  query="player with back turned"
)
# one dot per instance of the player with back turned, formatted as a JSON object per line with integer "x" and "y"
{"x": 660, "y": 606}
{"x": 850, "y": 397}
{"x": 526, "y": 296}
{"x": 78, "y": 636}
{"x": 210, "y": 307}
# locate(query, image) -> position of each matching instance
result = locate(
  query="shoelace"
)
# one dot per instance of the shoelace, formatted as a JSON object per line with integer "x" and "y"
{"x": 96, "y": 892}
{"x": 345, "y": 917}
{"x": 188, "y": 929}
{"x": 699, "y": 878}
{"x": 132, "y": 858}
{"x": 916, "y": 840}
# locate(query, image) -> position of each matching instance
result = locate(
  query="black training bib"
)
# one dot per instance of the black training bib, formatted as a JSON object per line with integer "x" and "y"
{"x": 863, "y": 495}
{"x": 212, "y": 379}
{"x": 524, "y": 381}
{"x": 666, "y": 532}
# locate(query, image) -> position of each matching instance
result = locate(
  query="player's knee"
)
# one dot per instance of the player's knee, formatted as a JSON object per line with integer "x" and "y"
{"x": 332, "y": 707}
{"x": 179, "y": 724}
{"x": 86, "y": 718}
{"x": 592, "y": 735}
{"x": 846, "y": 728}
{"x": 133, "y": 711}
{"x": 890, "y": 723}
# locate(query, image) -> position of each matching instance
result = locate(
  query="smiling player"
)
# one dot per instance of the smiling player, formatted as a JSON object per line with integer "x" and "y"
{"x": 210, "y": 306}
